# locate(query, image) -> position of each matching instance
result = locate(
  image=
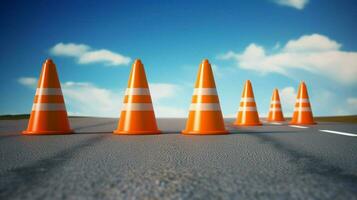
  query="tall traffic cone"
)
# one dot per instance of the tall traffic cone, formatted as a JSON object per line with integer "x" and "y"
{"x": 275, "y": 112}
{"x": 49, "y": 115}
{"x": 302, "y": 112}
{"x": 247, "y": 114}
{"x": 205, "y": 116}
{"x": 137, "y": 115}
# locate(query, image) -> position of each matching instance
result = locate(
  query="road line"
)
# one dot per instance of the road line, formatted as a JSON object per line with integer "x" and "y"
{"x": 276, "y": 123}
{"x": 339, "y": 133}
{"x": 295, "y": 126}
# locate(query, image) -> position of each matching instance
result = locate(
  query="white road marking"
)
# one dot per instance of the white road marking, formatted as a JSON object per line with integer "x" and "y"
{"x": 339, "y": 133}
{"x": 276, "y": 123}
{"x": 295, "y": 126}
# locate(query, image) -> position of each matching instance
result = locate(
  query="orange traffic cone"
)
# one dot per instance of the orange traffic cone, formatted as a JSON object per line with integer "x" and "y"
{"x": 137, "y": 115}
{"x": 49, "y": 115}
{"x": 275, "y": 112}
{"x": 302, "y": 112}
{"x": 205, "y": 116}
{"x": 247, "y": 114}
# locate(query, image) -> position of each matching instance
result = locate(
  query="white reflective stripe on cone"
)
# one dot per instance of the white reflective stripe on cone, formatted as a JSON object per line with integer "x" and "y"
{"x": 302, "y": 101}
{"x": 48, "y": 91}
{"x": 205, "y": 91}
{"x": 48, "y": 107}
{"x": 243, "y": 109}
{"x": 205, "y": 107}
{"x": 275, "y": 102}
{"x": 248, "y": 99}
{"x": 137, "y": 107}
{"x": 137, "y": 91}
{"x": 275, "y": 109}
{"x": 304, "y": 109}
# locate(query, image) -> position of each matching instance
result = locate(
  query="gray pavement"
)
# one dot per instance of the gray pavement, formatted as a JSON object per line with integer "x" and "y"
{"x": 268, "y": 162}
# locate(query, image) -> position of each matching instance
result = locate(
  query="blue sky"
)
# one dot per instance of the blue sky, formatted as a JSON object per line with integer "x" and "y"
{"x": 274, "y": 43}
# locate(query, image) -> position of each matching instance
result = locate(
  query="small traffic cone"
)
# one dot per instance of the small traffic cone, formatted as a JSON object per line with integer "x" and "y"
{"x": 275, "y": 112}
{"x": 137, "y": 115}
{"x": 302, "y": 112}
{"x": 49, "y": 115}
{"x": 205, "y": 116}
{"x": 247, "y": 114}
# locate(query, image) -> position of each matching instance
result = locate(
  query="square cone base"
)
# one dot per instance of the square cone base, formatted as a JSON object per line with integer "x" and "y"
{"x": 47, "y": 132}
{"x": 205, "y": 132}
{"x": 136, "y": 132}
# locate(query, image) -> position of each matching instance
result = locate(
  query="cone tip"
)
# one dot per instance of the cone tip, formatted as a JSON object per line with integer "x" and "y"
{"x": 48, "y": 60}
{"x": 302, "y": 84}
{"x": 205, "y": 61}
{"x": 137, "y": 61}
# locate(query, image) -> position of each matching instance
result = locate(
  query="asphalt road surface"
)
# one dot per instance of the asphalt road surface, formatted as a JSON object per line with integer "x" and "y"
{"x": 275, "y": 161}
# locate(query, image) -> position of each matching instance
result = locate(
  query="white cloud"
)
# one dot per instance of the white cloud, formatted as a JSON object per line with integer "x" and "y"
{"x": 90, "y": 100}
{"x": 336, "y": 105}
{"x": 87, "y": 99}
{"x": 218, "y": 72}
{"x": 276, "y": 46}
{"x": 86, "y": 55}
{"x": 232, "y": 115}
{"x": 163, "y": 90}
{"x": 350, "y": 108}
{"x": 314, "y": 53}
{"x": 69, "y": 49}
{"x": 298, "y": 4}
{"x": 352, "y": 101}
{"x": 288, "y": 99}
{"x": 312, "y": 43}
{"x": 166, "y": 91}
{"x": 28, "y": 81}
{"x": 104, "y": 56}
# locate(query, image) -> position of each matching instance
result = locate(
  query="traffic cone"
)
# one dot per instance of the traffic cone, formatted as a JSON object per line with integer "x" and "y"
{"x": 275, "y": 112}
{"x": 302, "y": 112}
{"x": 49, "y": 115}
{"x": 247, "y": 114}
{"x": 137, "y": 115}
{"x": 205, "y": 116}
